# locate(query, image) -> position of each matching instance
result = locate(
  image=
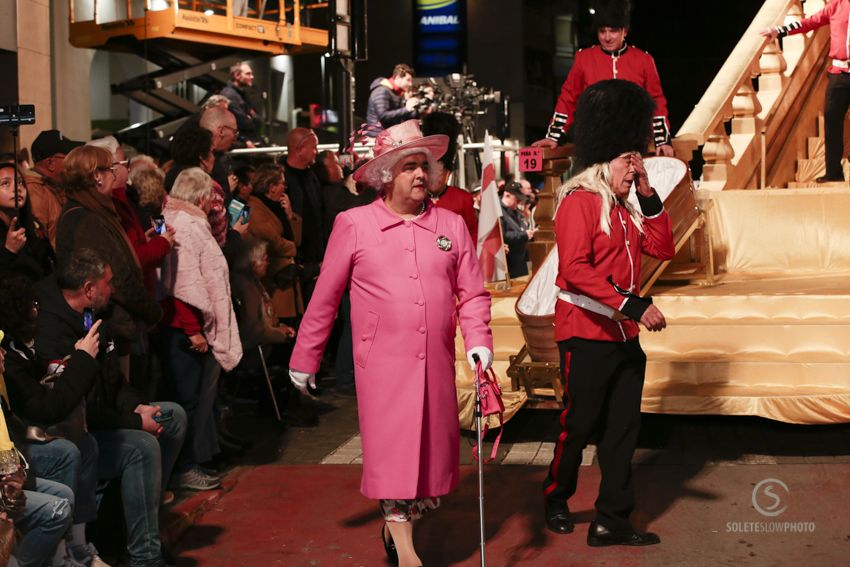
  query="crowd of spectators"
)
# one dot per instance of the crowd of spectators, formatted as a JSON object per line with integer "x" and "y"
{"x": 131, "y": 291}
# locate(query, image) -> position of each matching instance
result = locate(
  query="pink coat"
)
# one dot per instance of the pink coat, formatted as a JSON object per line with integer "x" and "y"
{"x": 406, "y": 297}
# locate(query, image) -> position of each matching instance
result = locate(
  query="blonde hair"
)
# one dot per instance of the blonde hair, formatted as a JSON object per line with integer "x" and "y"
{"x": 149, "y": 184}
{"x": 597, "y": 179}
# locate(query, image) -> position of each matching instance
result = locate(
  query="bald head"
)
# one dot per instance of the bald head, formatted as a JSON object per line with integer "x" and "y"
{"x": 222, "y": 124}
{"x": 302, "y": 145}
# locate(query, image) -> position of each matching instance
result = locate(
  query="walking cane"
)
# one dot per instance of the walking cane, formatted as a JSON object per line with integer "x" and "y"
{"x": 479, "y": 423}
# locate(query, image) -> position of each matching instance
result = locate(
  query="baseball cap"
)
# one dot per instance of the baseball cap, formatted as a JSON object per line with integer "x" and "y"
{"x": 50, "y": 143}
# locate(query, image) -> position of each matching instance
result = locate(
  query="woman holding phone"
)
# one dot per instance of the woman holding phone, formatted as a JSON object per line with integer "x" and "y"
{"x": 25, "y": 248}
{"x": 199, "y": 336}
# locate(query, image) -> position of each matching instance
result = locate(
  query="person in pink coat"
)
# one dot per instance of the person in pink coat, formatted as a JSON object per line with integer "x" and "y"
{"x": 413, "y": 275}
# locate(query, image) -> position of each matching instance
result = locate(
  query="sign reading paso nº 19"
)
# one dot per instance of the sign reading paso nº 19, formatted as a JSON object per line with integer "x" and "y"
{"x": 531, "y": 159}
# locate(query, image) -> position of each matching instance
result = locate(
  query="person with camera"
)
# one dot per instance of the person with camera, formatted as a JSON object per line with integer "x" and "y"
{"x": 138, "y": 440}
{"x": 612, "y": 58}
{"x": 25, "y": 249}
{"x": 47, "y": 403}
{"x": 390, "y": 102}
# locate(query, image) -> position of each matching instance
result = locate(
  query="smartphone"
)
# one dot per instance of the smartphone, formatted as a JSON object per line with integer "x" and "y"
{"x": 245, "y": 214}
{"x": 234, "y": 209}
{"x": 164, "y": 415}
{"x": 158, "y": 224}
{"x": 88, "y": 318}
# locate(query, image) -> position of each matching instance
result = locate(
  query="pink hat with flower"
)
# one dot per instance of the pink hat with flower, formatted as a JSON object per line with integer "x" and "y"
{"x": 395, "y": 143}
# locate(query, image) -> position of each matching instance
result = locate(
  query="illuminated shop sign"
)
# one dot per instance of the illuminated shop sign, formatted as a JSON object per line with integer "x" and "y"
{"x": 440, "y": 37}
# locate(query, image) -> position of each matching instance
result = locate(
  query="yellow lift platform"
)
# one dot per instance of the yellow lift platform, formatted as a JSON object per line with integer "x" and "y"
{"x": 192, "y": 42}
{"x": 264, "y": 26}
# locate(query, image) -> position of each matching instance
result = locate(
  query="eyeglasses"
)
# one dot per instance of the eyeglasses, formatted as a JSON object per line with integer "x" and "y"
{"x": 235, "y": 130}
{"x": 110, "y": 169}
{"x": 124, "y": 163}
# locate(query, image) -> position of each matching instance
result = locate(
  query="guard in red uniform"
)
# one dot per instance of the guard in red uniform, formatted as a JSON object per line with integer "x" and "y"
{"x": 600, "y": 238}
{"x": 442, "y": 194}
{"x": 836, "y": 14}
{"x": 613, "y": 58}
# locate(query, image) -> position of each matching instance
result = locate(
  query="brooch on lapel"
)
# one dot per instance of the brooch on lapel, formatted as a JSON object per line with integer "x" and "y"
{"x": 443, "y": 243}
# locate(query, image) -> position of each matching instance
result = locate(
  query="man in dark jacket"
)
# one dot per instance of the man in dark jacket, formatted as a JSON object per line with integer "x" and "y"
{"x": 387, "y": 105}
{"x": 513, "y": 231}
{"x": 247, "y": 117}
{"x": 305, "y": 194}
{"x": 124, "y": 424}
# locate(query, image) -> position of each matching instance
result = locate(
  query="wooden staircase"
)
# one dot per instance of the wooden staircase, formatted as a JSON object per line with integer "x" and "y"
{"x": 812, "y": 166}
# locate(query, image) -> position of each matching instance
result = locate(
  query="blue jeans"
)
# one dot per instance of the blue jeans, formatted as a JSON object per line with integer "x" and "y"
{"x": 141, "y": 462}
{"x": 193, "y": 380}
{"x": 72, "y": 464}
{"x": 46, "y": 518}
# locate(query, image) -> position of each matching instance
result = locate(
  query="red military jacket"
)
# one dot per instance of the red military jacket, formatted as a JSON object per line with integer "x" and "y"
{"x": 837, "y": 14}
{"x": 461, "y": 202}
{"x": 587, "y": 257}
{"x": 594, "y": 64}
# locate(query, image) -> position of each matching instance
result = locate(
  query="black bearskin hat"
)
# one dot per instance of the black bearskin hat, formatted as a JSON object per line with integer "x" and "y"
{"x": 612, "y": 117}
{"x": 611, "y": 13}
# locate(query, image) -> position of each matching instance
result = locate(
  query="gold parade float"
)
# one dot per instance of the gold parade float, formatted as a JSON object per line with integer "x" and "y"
{"x": 757, "y": 299}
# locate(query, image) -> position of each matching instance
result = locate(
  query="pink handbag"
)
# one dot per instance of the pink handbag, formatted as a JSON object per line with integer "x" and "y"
{"x": 491, "y": 403}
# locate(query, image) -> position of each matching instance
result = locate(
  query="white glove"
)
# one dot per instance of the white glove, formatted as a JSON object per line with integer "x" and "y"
{"x": 301, "y": 379}
{"x": 485, "y": 355}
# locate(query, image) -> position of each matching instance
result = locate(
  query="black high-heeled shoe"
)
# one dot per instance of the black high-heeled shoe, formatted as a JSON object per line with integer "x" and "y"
{"x": 389, "y": 545}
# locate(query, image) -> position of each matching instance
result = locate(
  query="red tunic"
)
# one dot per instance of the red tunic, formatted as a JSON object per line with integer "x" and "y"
{"x": 587, "y": 257}
{"x": 150, "y": 251}
{"x": 837, "y": 15}
{"x": 595, "y": 64}
{"x": 459, "y": 201}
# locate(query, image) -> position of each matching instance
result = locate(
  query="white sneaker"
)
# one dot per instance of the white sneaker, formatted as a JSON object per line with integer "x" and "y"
{"x": 195, "y": 479}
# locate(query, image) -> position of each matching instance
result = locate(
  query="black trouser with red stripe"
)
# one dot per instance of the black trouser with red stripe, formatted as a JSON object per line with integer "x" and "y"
{"x": 602, "y": 394}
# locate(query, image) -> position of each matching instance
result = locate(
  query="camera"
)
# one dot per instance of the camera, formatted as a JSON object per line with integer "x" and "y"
{"x": 459, "y": 95}
{"x": 17, "y": 114}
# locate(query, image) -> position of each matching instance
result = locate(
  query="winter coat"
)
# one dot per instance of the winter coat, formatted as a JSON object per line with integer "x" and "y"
{"x": 265, "y": 225}
{"x": 111, "y": 403}
{"x": 39, "y": 404}
{"x": 80, "y": 227}
{"x": 386, "y": 107}
{"x": 411, "y": 283}
{"x": 149, "y": 251}
{"x": 196, "y": 273}
{"x": 46, "y": 201}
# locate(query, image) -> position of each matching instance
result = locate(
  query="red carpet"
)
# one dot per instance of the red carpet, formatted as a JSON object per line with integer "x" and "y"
{"x": 314, "y": 515}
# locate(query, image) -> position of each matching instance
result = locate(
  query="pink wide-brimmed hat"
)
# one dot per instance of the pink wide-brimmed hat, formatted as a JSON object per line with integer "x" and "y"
{"x": 395, "y": 143}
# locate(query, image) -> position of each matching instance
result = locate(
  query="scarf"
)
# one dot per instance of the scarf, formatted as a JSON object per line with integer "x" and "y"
{"x": 102, "y": 206}
{"x": 278, "y": 212}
